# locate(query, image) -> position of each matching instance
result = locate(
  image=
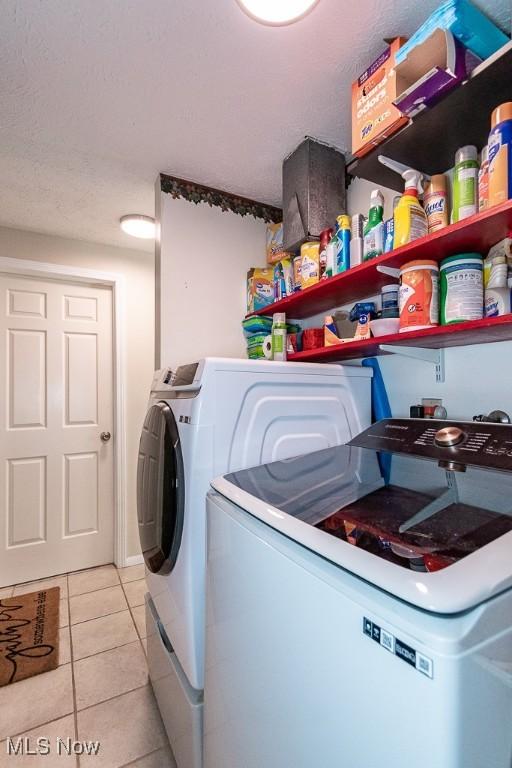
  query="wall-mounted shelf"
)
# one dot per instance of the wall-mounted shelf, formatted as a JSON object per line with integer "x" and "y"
{"x": 427, "y": 355}
{"x": 476, "y": 234}
{"x": 483, "y": 331}
{"x": 429, "y": 142}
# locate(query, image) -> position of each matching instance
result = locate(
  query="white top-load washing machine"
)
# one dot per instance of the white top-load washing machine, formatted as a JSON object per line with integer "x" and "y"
{"x": 208, "y": 418}
{"x": 352, "y": 624}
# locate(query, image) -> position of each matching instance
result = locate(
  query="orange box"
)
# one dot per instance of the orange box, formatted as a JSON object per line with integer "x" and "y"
{"x": 374, "y": 116}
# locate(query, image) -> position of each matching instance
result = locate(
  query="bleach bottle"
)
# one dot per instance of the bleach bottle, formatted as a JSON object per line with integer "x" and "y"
{"x": 373, "y": 234}
{"x": 409, "y": 217}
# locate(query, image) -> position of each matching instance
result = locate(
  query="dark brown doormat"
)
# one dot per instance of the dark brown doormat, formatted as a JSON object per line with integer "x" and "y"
{"x": 29, "y": 634}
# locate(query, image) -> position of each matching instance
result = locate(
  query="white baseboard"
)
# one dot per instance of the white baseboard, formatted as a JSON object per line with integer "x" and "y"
{"x": 133, "y": 560}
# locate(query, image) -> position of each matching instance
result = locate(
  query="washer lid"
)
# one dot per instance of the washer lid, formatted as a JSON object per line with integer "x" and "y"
{"x": 439, "y": 543}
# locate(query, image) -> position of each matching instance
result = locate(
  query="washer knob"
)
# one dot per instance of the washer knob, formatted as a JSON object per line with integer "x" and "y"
{"x": 449, "y": 436}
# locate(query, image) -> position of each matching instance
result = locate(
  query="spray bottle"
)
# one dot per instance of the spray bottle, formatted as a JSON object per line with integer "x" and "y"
{"x": 410, "y": 218}
{"x": 373, "y": 234}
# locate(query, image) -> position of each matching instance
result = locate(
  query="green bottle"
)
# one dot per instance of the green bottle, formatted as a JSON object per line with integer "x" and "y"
{"x": 279, "y": 336}
{"x": 373, "y": 233}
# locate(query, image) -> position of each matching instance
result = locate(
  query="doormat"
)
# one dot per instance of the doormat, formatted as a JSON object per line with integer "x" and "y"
{"x": 29, "y": 634}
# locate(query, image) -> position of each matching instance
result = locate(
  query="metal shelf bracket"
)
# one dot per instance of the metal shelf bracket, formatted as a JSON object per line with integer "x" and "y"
{"x": 434, "y": 356}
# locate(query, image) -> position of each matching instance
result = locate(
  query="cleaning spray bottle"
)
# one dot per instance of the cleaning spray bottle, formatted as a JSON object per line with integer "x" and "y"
{"x": 373, "y": 234}
{"x": 410, "y": 218}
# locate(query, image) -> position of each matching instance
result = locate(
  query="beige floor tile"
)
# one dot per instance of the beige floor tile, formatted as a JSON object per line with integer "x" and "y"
{"x": 63, "y": 613}
{"x": 36, "y": 700}
{"x": 162, "y": 758}
{"x": 6, "y": 592}
{"x": 135, "y": 591}
{"x": 109, "y": 674}
{"x": 33, "y": 586}
{"x": 139, "y": 617}
{"x": 128, "y": 727}
{"x": 95, "y": 604}
{"x": 92, "y": 579}
{"x": 64, "y": 646}
{"x": 132, "y": 573}
{"x": 58, "y": 729}
{"x": 145, "y": 645}
{"x": 102, "y": 634}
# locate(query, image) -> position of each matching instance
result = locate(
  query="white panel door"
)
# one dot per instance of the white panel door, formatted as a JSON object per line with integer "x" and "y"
{"x": 56, "y": 398}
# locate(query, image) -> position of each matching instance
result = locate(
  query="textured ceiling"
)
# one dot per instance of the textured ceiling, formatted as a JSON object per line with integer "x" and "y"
{"x": 98, "y": 96}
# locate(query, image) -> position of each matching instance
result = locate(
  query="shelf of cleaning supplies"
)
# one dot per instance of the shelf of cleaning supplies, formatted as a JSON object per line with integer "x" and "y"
{"x": 475, "y": 234}
{"x": 486, "y": 331}
{"x": 428, "y": 143}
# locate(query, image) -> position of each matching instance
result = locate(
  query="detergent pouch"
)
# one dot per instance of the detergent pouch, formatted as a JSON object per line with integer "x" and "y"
{"x": 260, "y": 288}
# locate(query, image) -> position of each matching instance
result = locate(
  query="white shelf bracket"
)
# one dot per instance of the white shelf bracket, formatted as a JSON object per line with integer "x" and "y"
{"x": 434, "y": 356}
{"x": 390, "y": 271}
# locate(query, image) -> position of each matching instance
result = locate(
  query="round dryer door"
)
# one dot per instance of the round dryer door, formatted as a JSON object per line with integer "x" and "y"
{"x": 160, "y": 489}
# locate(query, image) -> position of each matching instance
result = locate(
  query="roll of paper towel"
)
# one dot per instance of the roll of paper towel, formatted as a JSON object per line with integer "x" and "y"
{"x": 267, "y": 347}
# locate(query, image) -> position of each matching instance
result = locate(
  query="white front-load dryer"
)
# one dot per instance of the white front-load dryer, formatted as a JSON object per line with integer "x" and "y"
{"x": 209, "y": 418}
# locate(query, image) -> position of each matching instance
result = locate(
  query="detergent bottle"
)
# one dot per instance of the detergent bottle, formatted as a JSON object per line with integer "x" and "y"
{"x": 500, "y": 155}
{"x": 409, "y": 216}
{"x": 373, "y": 233}
{"x": 343, "y": 245}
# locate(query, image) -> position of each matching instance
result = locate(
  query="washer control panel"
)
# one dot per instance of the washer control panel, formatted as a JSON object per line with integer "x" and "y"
{"x": 476, "y": 443}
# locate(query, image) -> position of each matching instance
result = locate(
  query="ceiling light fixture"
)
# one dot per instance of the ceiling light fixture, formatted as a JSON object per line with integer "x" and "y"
{"x": 136, "y": 225}
{"x": 277, "y": 12}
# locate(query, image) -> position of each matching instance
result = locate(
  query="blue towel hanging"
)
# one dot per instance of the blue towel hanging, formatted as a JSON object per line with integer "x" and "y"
{"x": 380, "y": 410}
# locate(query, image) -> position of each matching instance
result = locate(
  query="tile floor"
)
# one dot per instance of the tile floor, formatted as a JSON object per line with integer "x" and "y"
{"x": 100, "y": 691}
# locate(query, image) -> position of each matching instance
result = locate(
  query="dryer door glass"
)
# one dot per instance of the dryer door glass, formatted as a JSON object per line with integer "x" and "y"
{"x": 160, "y": 489}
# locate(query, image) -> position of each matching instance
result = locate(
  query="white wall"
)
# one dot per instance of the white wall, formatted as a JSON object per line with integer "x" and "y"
{"x": 138, "y": 271}
{"x": 204, "y": 257}
{"x": 478, "y": 380}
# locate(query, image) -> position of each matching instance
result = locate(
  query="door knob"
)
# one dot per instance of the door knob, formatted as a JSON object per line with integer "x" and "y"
{"x": 105, "y": 436}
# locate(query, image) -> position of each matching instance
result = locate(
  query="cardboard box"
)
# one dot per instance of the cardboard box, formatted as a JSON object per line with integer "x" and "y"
{"x": 331, "y": 338}
{"x": 260, "y": 288}
{"x": 374, "y": 116}
{"x": 274, "y": 242}
{"x": 430, "y": 70}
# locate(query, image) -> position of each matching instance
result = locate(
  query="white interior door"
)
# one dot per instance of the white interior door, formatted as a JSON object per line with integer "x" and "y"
{"x": 56, "y": 398}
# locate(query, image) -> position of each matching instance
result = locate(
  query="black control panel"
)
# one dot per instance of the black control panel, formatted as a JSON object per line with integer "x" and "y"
{"x": 461, "y": 442}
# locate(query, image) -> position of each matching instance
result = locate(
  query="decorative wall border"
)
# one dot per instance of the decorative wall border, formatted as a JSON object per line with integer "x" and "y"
{"x": 198, "y": 193}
